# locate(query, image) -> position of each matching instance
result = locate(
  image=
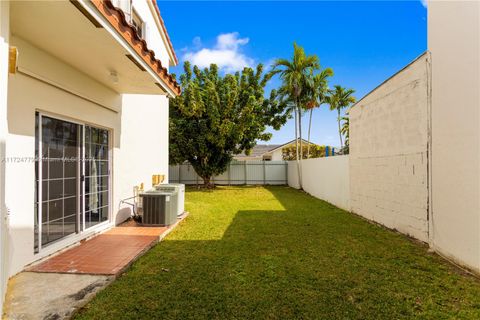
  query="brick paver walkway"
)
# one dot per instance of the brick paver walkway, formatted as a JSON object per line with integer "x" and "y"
{"x": 106, "y": 254}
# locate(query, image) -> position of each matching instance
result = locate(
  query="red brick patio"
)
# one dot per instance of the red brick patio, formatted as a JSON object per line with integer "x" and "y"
{"x": 106, "y": 254}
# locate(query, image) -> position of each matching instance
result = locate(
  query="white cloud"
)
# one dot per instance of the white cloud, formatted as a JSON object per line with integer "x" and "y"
{"x": 226, "y": 53}
{"x": 197, "y": 42}
{"x": 230, "y": 41}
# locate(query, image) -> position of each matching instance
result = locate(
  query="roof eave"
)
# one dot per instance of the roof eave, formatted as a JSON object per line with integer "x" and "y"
{"x": 116, "y": 18}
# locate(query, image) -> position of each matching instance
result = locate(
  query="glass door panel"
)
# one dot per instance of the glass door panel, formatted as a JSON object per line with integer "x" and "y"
{"x": 57, "y": 205}
{"x": 97, "y": 173}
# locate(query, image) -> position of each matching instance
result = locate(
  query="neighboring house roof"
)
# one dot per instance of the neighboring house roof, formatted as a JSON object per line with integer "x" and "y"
{"x": 155, "y": 5}
{"x": 260, "y": 149}
{"x": 117, "y": 19}
{"x": 281, "y": 146}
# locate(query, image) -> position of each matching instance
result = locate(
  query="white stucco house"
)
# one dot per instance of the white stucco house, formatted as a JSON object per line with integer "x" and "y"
{"x": 84, "y": 93}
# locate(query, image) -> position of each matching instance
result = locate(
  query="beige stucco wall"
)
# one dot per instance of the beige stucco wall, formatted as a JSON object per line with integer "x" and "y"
{"x": 143, "y": 148}
{"x": 454, "y": 43}
{"x": 42, "y": 65}
{"x": 388, "y": 152}
{"x": 139, "y": 145}
{"x": 324, "y": 178}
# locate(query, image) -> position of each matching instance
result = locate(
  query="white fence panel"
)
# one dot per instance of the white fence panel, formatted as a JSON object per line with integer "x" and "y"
{"x": 255, "y": 172}
{"x": 238, "y": 173}
{"x": 188, "y": 174}
{"x": 221, "y": 179}
{"x": 276, "y": 172}
{"x": 173, "y": 173}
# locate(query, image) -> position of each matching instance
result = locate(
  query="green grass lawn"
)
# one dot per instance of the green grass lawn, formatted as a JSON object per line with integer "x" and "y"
{"x": 278, "y": 253}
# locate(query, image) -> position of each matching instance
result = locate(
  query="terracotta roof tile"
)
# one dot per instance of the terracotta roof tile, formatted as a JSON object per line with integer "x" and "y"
{"x": 117, "y": 19}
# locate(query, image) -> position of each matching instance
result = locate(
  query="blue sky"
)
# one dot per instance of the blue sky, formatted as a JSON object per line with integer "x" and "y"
{"x": 363, "y": 42}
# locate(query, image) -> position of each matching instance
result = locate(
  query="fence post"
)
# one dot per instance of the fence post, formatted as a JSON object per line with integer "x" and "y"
{"x": 179, "y": 173}
{"x": 245, "y": 170}
{"x": 286, "y": 172}
{"x": 228, "y": 170}
{"x": 264, "y": 173}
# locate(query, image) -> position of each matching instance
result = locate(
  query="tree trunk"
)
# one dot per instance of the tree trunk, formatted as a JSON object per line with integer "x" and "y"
{"x": 296, "y": 135}
{"x": 340, "y": 130}
{"x": 300, "y": 133}
{"x": 301, "y": 147}
{"x": 296, "y": 148}
{"x": 309, "y": 127}
{"x": 206, "y": 183}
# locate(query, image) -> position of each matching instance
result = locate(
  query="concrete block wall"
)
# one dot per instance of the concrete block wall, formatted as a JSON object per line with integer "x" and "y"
{"x": 389, "y": 152}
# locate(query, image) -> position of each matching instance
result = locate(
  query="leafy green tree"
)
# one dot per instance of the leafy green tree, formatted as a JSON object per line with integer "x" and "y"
{"x": 296, "y": 76}
{"x": 316, "y": 151}
{"x": 340, "y": 98}
{"x": 317, "y": 97}
{"x": 218, "y": 116}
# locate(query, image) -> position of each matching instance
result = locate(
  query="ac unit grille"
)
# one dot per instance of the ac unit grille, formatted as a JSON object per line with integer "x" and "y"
{"x": 154, "y": 209}
{"x": 159, "y": 208}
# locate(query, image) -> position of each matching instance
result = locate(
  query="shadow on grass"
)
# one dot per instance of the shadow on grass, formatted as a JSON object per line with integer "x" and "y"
{"x": 307, "y": 259}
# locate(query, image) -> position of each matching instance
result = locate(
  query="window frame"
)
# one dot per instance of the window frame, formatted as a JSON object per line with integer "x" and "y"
{"x": 138, "y": 23}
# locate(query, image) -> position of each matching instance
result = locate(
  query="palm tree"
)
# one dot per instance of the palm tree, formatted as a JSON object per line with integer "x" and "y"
{"x": 318, "y": 95}
{"x": 346, "y": 132}
{"x": 296, "y": 76}
{"x": 339, "y": 99}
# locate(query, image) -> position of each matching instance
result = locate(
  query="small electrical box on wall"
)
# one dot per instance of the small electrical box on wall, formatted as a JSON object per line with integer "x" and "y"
{"x": 12, "y": 60}
{"x": 157, "y": 179}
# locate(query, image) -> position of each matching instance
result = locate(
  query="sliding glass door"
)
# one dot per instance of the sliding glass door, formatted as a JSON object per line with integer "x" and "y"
{"x": 72, "y": 179}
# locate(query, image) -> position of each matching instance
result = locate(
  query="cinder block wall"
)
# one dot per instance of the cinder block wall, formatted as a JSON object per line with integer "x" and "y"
{"x": 388, "y": 152}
